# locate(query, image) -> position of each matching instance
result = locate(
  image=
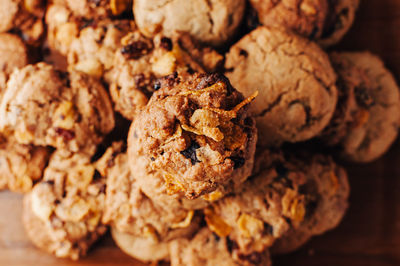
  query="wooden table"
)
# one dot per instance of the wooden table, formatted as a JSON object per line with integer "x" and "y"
{"x": 370, "y": 232}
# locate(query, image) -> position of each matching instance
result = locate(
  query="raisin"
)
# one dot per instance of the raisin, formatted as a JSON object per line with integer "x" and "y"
{"x": 65, "y": 133}
{"x": 237, "y": 161}
{"x": 190, "y": 152}
{"x": 136, "y": 49}
{"x": 166, "y": 43}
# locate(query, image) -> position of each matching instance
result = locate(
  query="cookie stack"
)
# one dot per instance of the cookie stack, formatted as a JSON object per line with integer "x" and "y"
{"x": 200, "y": 132}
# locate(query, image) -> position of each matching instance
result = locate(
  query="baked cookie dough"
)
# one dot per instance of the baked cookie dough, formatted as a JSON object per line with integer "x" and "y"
{"x": 21, "y": 166}
{"x": 295, "y": 80}
{"x": 24, "y": 17}
{"x": 129, "y": 210}
{"x": 45, "y": 107}
{"x": 62, "y": 214}
{"x": 206, "y": 248}
{"x": 213, "y": 22}
{"x": 196, "y": 133}
{"x": 366, "y": 120}
{"x": 99, "y": 8}
{"x": 141, "y": 61}
{"x": 324, "y": 21}
{"x": 14, "y": 54}
{"x": 284, "y": 195}
{"x": 326, "y": 193}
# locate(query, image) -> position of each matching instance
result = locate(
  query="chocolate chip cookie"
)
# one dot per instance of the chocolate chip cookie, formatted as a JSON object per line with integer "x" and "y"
{"x": 285, "y": 194}
{"x": 141, "y": 61}
{"x": 195, "y": 133}
{"x": 213, "y": 22}
{"x": 206, "y": 248}
{"x": 367, "y": 117}
{"x": 295, "y": 80}
{"x": 98, "y": 9}
{"x": 21, "y": 166}
{"x": 45, "y": 107}
{"x": 62, "y": 214}
{"x": 324, "y": 21}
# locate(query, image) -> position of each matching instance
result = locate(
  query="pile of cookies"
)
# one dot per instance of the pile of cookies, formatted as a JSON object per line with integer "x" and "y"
{"x": 200, "y": 132}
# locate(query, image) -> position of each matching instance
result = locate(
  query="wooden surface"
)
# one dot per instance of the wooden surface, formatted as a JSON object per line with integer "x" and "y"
{"x": 370, "y": 232}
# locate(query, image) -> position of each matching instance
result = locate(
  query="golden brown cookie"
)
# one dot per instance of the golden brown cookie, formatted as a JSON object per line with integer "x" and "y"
{"x": 367, "y": 117}
{"x": 45, "y": 107}
{"x": 295, "y": 80}
{"x": 62, "y": 214}
{"x": 196, "y": 134}
{"x": 213, "y": 22}
{"x": 141, "y": 61}
{"x": 97, "y": 9}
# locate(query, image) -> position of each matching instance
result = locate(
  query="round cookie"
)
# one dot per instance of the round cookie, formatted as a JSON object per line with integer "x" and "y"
{"x": 295, "y": 80}
{"x": 62, "y": 214}
{"x": 45, "y": 107}
{"x": 285, "y": 194}
{"x": 326, "y": 195}
{"x": 196, "y": 134}
{"x": 206, "y": 248}
{"x": 14, "y": 54}
{"x": 129, "y": 210}
{"x": 324, "y": 21}
{"x": 213, "y": 22}
{"x": 21, "y": 166}
{"x": 98, "y": 9}
{"x": 141, "y": 61}
{"x": 23, "y": 16}
{"x": 367, "y": 117}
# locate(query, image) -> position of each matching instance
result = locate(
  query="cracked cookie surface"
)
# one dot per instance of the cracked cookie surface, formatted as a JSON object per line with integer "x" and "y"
{"x": 62, "y": 214}
{"x": 295, "y": 80}
{"x": 196, "y": 134}
{"x": 213, "y": 22}
{"x": 45, "y": 107}
{"x": 367, "y": 118}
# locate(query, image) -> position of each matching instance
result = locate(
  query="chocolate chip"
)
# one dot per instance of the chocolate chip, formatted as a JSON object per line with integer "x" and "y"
{"x": 216, "y": 237}
{"x": 166, "y": 43}
{"x": 57, "y": 201}
{"x": 190, "y": 152}
{"x": 157, "y": 85}
{"x": 65, "y": 133}
{"x": 152, "y": 159}
{"x": 243, "y": 53}
{"x": 237, "y": 161}
{"x": 231, "y": 245}
{"x": 97, "y": 175}
{"x": 136, "y": 49}
{"x": 268, "y": 229}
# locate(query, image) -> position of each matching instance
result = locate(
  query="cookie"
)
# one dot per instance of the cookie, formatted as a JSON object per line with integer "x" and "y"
{"x": 206, "y": 248}
{"x": 141, "y": 61}
{"x": 45, "y": 107}
{"x": 367, "y": 117}
{"x": 295, "y": 80}
{"x": 98, "y": 9}
{"x": 14, "y": 54}
{"x": 326, "y": 197}
{"x": 24, "y": 17}
{"x": 285, "y": 194}
{"x": 62, "y": 214}
{"x": 213, "y": 22}
{"x": 21, "y": 166}
{"x": 130, "y": 211}
{"x": 196, "y": 133}
{"x": 324, "y": 21}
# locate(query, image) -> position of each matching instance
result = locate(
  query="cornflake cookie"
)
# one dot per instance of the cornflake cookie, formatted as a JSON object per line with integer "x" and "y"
{"x": 196, "y": 134}
{"x": 367, "y": 117}
{"x": 325, "y": 21}
{"x": 21, "y": 166}
{"x": 129, "y": 210}
{"x": 284, "y": 195}
{"x": 13, "y": 55}
{"x": 141, "y": 61}
{"x": 295, "y": 80}
{"x": 62, "y": 214}
{"x": 23, "y": 16}
{"x": 44, "y": 107}
{"x": 213, "y": 22}
{"x": 206, "y": 248}
{"x": 326, "y": 195}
